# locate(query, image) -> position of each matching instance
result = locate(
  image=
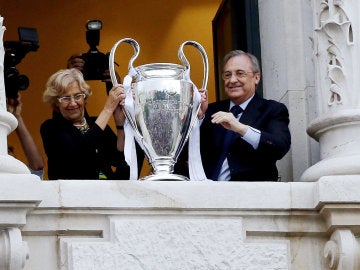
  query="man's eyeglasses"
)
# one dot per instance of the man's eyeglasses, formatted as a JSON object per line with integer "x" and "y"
{"x": 240, "y": 74}
{"x": 68, "y": 99}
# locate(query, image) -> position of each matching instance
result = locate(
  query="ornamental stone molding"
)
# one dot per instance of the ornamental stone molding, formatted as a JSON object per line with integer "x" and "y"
{"x": 18, "y": 196}
{"x": 143, "y": 243}
{"x": 13, "y": 251}
{"x": 342, "y": 251}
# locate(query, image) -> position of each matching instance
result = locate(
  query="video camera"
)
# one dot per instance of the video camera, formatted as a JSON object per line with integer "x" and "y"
{"x": 15, "y": 51}
{"x": 96, "y": 62}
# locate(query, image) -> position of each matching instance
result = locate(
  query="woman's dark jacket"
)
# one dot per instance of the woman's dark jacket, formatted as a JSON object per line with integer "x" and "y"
{"x": 73, "y": 155}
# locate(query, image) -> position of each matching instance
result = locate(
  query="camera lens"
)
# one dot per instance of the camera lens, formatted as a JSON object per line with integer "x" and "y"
{"x": 14, "y": 82}
{"x": 22, "y": 82}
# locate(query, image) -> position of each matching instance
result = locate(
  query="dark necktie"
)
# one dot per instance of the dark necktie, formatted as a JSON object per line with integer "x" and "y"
{"x": 228, "y": 139}
{"x": 236, "y": 110}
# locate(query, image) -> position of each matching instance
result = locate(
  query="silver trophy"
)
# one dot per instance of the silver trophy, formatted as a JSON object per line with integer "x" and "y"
{"x": 160, "y": 107}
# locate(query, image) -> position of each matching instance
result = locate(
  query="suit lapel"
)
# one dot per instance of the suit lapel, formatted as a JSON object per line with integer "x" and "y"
{"x": 252, "y": 111}
{"x": 224, "y": 105}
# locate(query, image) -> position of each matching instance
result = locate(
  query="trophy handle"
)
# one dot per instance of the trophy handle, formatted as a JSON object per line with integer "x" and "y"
{"x": 114, "y": 81}
{"x": 136, "y": 47}
{"x": 185, "y": 62}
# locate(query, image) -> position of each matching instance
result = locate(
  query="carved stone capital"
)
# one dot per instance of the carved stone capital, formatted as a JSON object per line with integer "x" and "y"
{"x": 13, "y": 251}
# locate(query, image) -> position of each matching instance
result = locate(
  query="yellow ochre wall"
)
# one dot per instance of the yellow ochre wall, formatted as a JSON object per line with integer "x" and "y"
{"x": 159, "y": 26}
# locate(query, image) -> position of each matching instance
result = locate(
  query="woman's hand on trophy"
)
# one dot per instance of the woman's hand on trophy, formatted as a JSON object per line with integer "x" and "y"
{"x": 116, "y": 98}
{"x": 204, "y": 103}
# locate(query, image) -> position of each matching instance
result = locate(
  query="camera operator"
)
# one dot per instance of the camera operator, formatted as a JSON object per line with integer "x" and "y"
{"x": 15, "y": 51}
{"x": 34, "y": 158}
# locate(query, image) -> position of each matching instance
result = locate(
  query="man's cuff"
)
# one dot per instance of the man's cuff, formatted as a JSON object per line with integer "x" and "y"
{"x": 252, "y": 136}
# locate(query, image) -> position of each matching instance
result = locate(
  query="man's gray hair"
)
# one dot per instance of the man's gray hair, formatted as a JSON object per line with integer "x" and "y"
{"x": 253, "y": 59}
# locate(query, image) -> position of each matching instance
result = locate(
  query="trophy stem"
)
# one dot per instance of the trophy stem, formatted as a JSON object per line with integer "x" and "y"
{"x": 163, "y": 171}
{"x": 165, "y": 177}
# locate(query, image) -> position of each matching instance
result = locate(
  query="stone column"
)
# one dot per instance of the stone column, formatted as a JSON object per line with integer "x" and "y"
{"x": 8, "y": 122}
{"x": 337, "y": 65}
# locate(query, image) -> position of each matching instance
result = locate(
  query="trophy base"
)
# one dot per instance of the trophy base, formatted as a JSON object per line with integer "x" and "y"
{"x": 165, "y": 177}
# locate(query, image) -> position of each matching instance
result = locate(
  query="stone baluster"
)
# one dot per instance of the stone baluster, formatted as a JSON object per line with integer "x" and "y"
{"x": 8, "y": 122}
{"x": 337, "y": 64}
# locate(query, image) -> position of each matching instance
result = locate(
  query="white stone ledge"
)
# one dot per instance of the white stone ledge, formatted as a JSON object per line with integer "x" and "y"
{"x": 240, "y": 196}
{"x": 189, "y": 195}
{"x": 339, "y": 189}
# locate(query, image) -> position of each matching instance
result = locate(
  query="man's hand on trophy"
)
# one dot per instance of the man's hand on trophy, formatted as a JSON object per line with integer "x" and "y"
{"x": 204, "y": 103}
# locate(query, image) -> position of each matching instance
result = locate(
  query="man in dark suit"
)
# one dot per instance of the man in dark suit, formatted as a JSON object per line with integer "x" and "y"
{"x": 243, "y": 145}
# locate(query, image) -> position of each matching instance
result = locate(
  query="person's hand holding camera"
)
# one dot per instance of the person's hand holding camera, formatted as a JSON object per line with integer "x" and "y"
{"x": 76, "y": 61}
{"x": 13, "y": 106}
